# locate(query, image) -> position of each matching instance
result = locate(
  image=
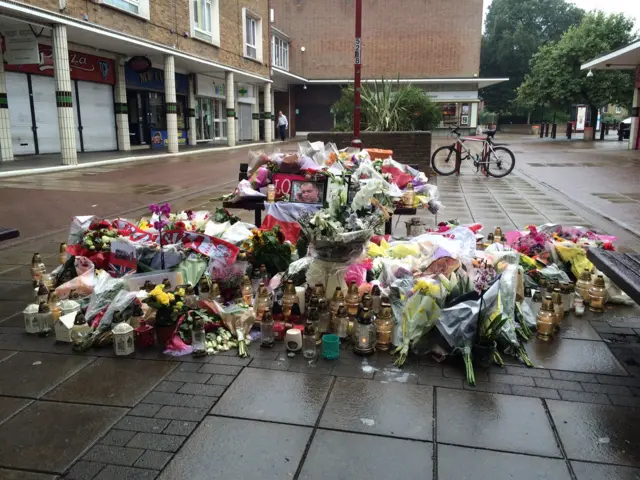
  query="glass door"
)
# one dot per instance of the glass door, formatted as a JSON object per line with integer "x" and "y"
{"x": 219, "y": 119}
{"x": 204, "y": 124}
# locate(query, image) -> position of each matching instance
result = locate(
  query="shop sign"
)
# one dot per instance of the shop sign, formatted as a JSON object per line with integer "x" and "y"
{"x": 209, "y": 87}
{"x": 20, "y": 43}
{"x": 83, "y": 66}
{"x": 581, "y": 118}
{"x": 245, "y": 94}
{"x": 139, "y": 64}
{"x": 159, "y": 138}
{"x": 153, "y": 79}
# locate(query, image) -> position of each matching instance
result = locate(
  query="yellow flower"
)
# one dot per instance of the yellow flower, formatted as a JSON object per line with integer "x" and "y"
{"x": 179, "y": 304}
{"x": 171, "y": 297}
{"x": 180, "y": 292}
{"x": 426, "y": 288}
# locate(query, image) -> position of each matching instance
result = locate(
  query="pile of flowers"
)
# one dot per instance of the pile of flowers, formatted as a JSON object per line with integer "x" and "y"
{"x": 532, "y": 243}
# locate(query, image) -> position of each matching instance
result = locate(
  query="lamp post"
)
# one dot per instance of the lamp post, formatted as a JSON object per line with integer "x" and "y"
{"x": 356, "y": 142}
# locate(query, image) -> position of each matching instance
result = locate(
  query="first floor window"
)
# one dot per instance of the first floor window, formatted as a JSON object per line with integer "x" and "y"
{"x": 251, "y": 30}
{"x": 132, "y": 6}
{"x": 280, "y": 53}
{"x": 605, "y": 109}
{"x": 618, "y": 109}
{"x": 202, "y": 15}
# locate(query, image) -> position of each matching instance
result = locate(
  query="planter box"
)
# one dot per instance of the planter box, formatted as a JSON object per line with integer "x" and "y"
{"x": 408, "y": 147}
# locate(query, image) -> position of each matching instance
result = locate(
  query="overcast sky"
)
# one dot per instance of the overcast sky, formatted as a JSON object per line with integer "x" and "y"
{"x": 631, "y": 8}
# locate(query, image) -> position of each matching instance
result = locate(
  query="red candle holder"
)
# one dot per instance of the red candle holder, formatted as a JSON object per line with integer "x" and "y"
{"x": 144, "y": 335}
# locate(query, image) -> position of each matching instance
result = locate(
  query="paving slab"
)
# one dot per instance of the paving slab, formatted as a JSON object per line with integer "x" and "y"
{"x": 50, "y": 435}
{"x": 574, "y": 356}
{"x": 594, "y": 471}
{"x": 242, "y": 449}
{"x": 598, "y": 433}
{"x": 11, "y": 405}
{"x": 20, "y": 475}
{"x": 499, "y": 422}
{"x": 112, "y": 381}
{"x": 386, "y": 409}
{"x": 30, "y": 374}
{"x": 347, "y": 456}
{"x": 284, "y": 396}
{"x": 460, "y": 463}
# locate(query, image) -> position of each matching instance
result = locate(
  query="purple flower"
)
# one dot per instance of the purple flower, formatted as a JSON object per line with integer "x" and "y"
{"x": 154, "y": 208}
{"x": 159, "y": 225}
{"x": 165, "y": 209}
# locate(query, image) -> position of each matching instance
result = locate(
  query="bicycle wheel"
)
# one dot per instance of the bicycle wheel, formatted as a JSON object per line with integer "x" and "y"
{"x": 501, "y": 162}
{"x": 443, "y": 160}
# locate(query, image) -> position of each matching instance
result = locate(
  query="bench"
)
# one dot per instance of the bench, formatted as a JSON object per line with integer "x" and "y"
{"x": 8, "y": 233}
{"x": 622, "y": 268}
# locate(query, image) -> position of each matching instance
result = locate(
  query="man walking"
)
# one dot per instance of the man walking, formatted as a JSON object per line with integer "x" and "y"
{"x": 283, "y": 124}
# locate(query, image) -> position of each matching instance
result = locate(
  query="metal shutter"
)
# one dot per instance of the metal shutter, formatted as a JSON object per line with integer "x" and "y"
{"x": 44, "y": 102}
{"x": 98, "y": 117}
{"x": 20, "y": 114}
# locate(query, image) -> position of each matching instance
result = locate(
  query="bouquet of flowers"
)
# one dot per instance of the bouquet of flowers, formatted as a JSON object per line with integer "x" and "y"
{"x": 268, "y": 247}
{"x": 169, "y": 305}
{"x": 533, "y": 243}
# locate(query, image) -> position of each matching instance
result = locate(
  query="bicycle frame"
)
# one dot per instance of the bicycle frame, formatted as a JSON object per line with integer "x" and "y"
{"x": 460, "y": 147}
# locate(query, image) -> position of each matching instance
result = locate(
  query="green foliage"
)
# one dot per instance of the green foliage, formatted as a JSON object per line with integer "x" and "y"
{"x": 514, "y": 31}
{"x": 387, "y": 106}
{"x": 486, "y": 117}
{"x": 556, "y": 79}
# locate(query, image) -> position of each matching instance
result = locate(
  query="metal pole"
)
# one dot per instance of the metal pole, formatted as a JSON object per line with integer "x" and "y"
{"x": 356, "y": 142}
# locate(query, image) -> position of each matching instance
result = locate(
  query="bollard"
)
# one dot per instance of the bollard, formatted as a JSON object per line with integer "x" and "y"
{"x": 546, "y": 129}
{"x": 569, "y": 131}
{"x": 607, "y": 131}
{"x": 541, "y": 129}
{"x": 554, "y": 130}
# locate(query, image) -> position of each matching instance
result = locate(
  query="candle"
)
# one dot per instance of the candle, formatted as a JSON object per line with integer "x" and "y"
{"x": 301, "y": 292}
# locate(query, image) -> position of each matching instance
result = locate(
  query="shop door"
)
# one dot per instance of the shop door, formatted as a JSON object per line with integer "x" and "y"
{"x": 98, "y": 116}
{"x": 138, "y": 117}
{"x": 219, "y": 120}
{"x": 44, "y": 103}
{"x": 244, "y": 121}
{"x": 204, "y": 121}
{"x": 20, "y": 120}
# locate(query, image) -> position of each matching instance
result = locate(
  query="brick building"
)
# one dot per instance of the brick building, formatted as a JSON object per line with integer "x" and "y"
{"x": 89, "y": 75}
{"x": 86, "y": 75}
{"x": 431, "y": 43}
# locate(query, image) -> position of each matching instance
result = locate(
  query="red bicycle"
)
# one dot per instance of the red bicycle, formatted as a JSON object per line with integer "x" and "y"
{"x": 495, "y": 159}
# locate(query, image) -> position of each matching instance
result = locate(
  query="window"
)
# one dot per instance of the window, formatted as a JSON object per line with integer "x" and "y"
{"x": 205, "y": 20}
{"x": 136, "y": 7}
{"x": 605, "y": 109}
{"x": 280, "y": 49}
{"x": 252, "y": 36}
{"x": 618, "y": 109}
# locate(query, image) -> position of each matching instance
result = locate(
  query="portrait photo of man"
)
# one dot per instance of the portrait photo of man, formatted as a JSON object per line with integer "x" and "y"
{"x": 307, "y": 192}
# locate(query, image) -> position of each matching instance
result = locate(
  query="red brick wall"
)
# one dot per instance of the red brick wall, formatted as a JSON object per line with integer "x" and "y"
{"x": 166, "y": 15}
{"x": 412, "y": 38}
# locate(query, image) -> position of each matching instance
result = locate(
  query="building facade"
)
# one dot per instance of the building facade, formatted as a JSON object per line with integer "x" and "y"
{"x": 434, "y": 44}
{"x": 96, "y": 75}
{"x": 83, "y": 76}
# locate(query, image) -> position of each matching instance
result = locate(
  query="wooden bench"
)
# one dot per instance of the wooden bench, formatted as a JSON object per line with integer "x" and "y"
{"x": 8, "y": 233}
{"x": 622, "y": 268}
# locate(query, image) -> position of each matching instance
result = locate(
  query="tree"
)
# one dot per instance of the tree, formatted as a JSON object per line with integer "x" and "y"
{"x": 556, "y": 79}
{"x": 387, "y": 106}
{"x": 514, "y": 31}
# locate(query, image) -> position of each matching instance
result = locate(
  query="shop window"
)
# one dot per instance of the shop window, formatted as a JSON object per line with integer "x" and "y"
{"x": 280, "y": 49}
{"x": 449, "y": 113}
{"x": 205, "y": 15}
{"x": 136, "y": 7}
{"x": 157, "y": 114}
{"x": 252, "y": 35}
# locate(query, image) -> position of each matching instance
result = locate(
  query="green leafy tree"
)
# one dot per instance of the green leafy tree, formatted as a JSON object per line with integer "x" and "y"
{"x": 514, "y": 31}
{"x": 556, "y": 79}
{"x": 387, "y": 106}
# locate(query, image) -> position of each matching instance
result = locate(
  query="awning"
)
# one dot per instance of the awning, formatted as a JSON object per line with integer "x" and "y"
{"x": 104, "y": 39}
{"x": 626, "y": 58}
{"x": 475, "y": 82}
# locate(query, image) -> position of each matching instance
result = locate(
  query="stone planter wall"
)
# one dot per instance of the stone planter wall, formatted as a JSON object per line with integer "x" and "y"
{"x": 408, "y": 147}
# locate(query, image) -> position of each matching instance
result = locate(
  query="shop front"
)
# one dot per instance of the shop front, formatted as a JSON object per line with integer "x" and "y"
{"x": 33, "y": 113}
{"x": 147, "y": 109}
{"x": 211, "y": 113}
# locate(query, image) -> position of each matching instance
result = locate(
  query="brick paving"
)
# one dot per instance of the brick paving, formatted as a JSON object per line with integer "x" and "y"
{"x": 192, "y": 418}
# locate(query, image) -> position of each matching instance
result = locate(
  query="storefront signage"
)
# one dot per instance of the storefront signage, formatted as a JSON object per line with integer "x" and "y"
{"x": 20, "y": 43}
{"x": 153, "y": 79}
{"x": 83, "y": 66}
{"x": 453, "y": 96}
{"x": 246, "y": 94}
{"x": 209, "y": 87}
{"x": 139, "y": 64}
{"x": 581, "y": 118}
{"x": 159, "y": 138}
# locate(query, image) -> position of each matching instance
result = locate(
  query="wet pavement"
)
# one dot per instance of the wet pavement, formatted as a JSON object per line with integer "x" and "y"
{"x": 95, "y": 416}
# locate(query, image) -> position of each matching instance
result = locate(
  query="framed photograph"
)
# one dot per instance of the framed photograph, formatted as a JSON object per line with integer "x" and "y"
{"x": 308, "y": 191}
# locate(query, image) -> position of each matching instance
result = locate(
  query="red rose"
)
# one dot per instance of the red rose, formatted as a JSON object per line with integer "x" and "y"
{"x": 608, "y": 246}
{"x": 180, "y": 225}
